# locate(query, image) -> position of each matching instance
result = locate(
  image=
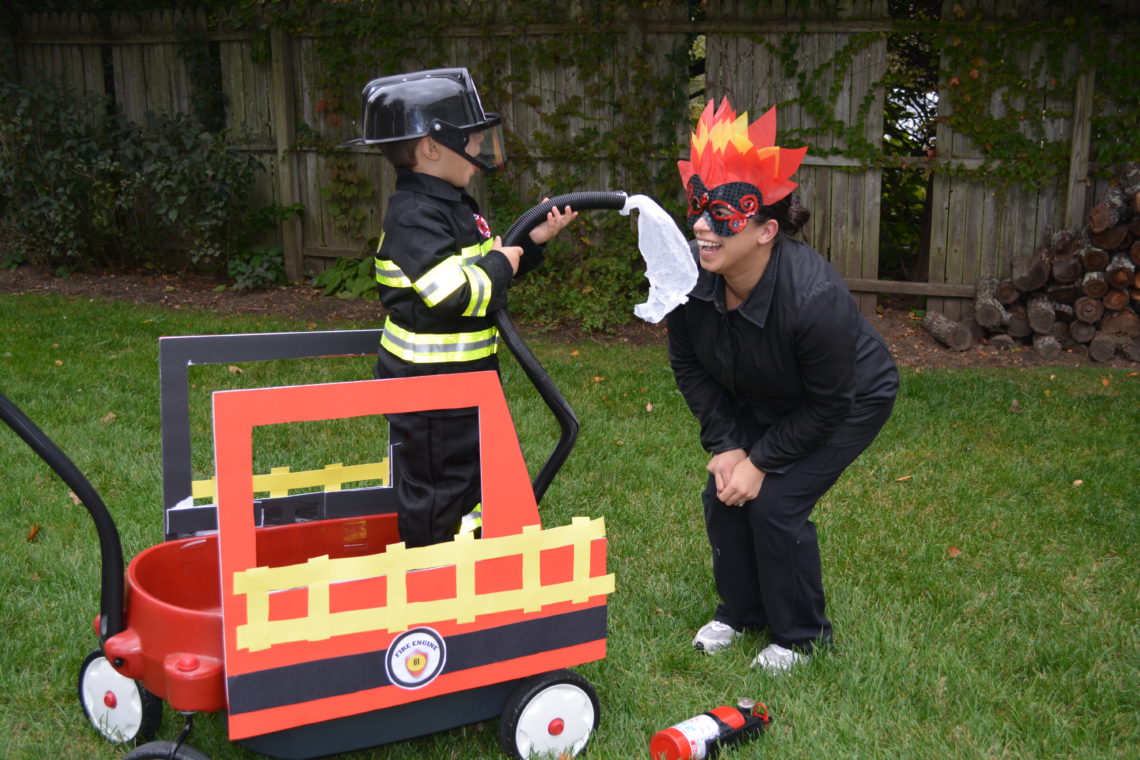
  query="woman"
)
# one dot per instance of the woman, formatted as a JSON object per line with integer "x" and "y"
{"x": 788, "y": 381}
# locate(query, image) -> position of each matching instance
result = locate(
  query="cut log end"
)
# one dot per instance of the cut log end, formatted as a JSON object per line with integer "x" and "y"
{"x": 1102, "y": 348}
{"x": 1048, "y": 347}
{"x": 954, "y": 335}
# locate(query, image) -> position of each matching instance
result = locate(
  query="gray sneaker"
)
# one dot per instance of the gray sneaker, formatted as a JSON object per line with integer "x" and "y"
{"x": 715, "y": 636}
{"x": 774, "y": 659}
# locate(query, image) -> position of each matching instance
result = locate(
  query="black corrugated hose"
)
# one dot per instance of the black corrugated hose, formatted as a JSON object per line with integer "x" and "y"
{"x": 567, "y": 420}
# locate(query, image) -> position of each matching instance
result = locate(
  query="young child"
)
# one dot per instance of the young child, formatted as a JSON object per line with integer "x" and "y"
{"x": 440, "y": 275}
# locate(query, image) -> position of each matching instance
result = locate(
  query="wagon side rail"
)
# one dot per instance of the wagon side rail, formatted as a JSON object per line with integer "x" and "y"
{"x": 110, "y": 547}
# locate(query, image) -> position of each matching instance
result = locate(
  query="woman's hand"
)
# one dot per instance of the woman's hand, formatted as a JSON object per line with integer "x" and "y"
{"x": 556, "y": 220}
{"x": 737, "y": 479}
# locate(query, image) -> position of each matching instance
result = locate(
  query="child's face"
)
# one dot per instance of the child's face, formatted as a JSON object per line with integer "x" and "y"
{"x": 450, "y": 166}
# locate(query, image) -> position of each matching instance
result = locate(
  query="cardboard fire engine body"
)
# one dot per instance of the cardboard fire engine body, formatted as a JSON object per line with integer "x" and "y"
{"x": 334, "y": 636}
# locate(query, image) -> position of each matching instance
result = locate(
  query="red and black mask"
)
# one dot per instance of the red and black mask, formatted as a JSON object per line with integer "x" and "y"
{"x": 725, "y": 208}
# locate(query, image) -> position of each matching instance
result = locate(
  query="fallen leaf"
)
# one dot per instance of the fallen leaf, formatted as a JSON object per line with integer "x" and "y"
{"x": 111, "y": 417}
{"x": 649, "y": 407}
{"x": 598, "y": 379}
{"x": 33, "y": 532}
{"x": 1014, "y": 406}
{"x": 58, "y": 362}
{"x": 903, "y": 479}
{"x": 575, "y": 352}
{"x": 235, "y": 370}
{"x": 953, "y": 551}
{"x": 75, "y": 499}
{"x": 1104, "y": 382}
{"x": 1078, "y": 482}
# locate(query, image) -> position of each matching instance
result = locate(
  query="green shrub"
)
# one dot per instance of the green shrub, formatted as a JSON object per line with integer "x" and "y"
{"x": 349, "y": 278}
{"x": 81, "y": 187}
{"x": 592, "y": 277}
{"x": 257, "y": 268}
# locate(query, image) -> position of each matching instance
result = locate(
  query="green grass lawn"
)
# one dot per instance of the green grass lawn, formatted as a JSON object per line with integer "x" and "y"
{"x": 980, "y": 559}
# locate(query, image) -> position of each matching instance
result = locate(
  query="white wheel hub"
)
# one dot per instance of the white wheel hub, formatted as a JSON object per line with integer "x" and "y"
{"x": 555, "y": 722}
{"x": 112, "y": 701}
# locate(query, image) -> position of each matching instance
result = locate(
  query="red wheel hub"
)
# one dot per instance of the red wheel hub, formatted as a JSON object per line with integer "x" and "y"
{"x": 110, "y": 700}
{"x": 556, "y": 727}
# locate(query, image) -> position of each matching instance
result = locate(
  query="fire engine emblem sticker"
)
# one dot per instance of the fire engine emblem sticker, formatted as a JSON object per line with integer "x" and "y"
{"x": 415, "y": 658}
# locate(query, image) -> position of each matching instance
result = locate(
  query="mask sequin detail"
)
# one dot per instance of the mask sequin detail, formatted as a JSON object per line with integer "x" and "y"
{"x": 725, "y": 208}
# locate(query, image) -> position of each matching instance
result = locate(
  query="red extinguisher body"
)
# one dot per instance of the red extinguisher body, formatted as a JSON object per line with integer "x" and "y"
{"x": 702, "y": 736}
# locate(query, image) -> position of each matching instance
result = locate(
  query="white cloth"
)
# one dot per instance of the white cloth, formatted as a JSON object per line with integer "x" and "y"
{"x": 669, "y": 264}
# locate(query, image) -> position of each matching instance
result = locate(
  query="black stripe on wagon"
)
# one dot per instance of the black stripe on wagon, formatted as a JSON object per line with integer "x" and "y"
{"x": 335, "y": 676}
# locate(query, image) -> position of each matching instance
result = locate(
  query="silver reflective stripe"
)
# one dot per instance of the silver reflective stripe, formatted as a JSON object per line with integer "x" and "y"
{"x": 430, "y": 348}
{"x": 391, "y": 275}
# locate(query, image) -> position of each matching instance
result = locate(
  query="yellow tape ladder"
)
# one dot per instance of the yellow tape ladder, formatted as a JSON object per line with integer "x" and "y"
{"x": 398, "y": 614}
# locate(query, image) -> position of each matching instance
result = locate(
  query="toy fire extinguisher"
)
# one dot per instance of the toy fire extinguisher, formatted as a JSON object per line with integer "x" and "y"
{"x": 704, "y": 735}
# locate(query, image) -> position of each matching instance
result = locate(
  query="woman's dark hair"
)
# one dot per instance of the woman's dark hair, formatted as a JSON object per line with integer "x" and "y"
{"x": 402, "y": 153}
{"x": 788, "y": 212}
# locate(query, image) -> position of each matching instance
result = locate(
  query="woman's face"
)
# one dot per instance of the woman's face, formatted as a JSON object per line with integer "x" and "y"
{"x": 725, "y": 255}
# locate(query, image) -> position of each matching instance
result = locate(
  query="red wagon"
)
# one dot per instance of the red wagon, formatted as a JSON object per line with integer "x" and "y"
{"x": 327, "y": 636}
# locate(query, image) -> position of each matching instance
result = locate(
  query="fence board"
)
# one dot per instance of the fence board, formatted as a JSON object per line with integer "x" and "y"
{"x": 844, "y": 204}
{"x": 976, "y": 229}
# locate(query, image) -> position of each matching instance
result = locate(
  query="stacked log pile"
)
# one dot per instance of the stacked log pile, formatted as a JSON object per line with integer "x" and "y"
{"x": 1080, "y": 290}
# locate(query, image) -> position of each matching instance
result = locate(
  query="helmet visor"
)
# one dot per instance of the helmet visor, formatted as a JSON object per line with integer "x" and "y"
{"x": 486, "y": 148}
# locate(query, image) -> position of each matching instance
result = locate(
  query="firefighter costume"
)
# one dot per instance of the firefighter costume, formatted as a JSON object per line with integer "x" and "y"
{"x": 439, "y": 278}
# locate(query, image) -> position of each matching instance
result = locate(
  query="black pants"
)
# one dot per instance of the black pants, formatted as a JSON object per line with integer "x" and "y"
{"x": 436, "y": 472}
{"x": 765, "y": 554}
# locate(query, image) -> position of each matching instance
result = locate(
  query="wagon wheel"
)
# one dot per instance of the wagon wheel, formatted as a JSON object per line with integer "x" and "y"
{"x": 120, "y": 708}
{"x": 549, "y": 715}
{"x": 162, "y": 751}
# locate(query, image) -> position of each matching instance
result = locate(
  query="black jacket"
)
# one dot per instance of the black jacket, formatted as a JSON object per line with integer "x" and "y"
{"x": 427, "y": 221}
{"x": 792, "y": 368}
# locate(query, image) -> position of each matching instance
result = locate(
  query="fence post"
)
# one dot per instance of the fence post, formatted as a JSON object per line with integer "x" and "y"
{"x": 284, "y": 130}
{"x": 9, "y": 65}
{"x": 1079, "y": 155}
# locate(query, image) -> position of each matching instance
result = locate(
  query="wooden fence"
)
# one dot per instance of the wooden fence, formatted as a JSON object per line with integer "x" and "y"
{"x": 975, "y": 228}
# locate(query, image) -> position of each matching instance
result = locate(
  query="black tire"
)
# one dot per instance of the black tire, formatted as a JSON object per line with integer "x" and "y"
{"x": 549, "y": 715}
{"x": 161, "y": 751}
{"x": 120, "y": 709}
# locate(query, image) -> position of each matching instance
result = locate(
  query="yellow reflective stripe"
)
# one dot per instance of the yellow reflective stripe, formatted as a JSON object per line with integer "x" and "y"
{"x": 441, "y": 281}
{"x": 444, "y": 278}
{"x": 473, "y": 253}
{"x": 477, "y": 278}
{"x": 391, "y": 275}
{"x": 480, "y": 283}
{"x": 431, "y": 348}
{"x": 387, "y": 273}
{"x": 472, "y": 521}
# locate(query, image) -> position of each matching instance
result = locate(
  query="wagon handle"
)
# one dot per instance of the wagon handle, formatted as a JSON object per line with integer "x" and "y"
{"x": 567, "y": 421}
{"x": 110, "y": 548}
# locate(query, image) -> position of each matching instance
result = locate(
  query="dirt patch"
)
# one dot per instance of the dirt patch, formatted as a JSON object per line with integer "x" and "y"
{"x": 896, "y": 321}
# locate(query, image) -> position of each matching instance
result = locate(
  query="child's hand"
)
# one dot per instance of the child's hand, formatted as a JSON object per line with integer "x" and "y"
{"x": 555, "y": 221}
{"x": 512, "y": 252}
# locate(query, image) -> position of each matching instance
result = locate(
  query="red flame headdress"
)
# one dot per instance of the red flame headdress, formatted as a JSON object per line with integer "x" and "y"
{"x": 725, "y": 148}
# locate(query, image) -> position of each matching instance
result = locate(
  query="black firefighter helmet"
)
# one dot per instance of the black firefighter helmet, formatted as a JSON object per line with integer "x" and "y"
{"x": 442, "y": 103}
